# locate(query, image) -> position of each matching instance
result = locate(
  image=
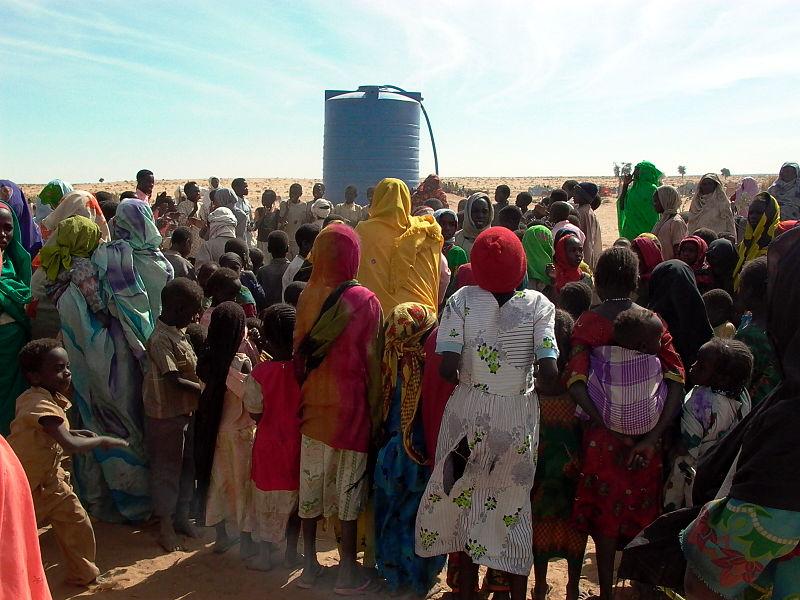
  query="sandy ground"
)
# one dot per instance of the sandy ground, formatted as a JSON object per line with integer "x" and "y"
{"x": 133, "y": 559}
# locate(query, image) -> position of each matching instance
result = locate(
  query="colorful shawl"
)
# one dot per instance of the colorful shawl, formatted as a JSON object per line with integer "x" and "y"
{"x": 132, "y": 272}
{"x": 338, "y": 344}
{"x": 74, "y": 236}
{"x": 787, "y": 193}
{"x": 711, "y": 211}
{"x": 565, "y": 272}
{"x": 77, "y": 203}
{"x": 756, "y": 241}
{"x": 29, "y": 235}
{"x": 635, "y": 212}
{"x": 538, "y": 244}
{"x": 399, "y": 253}
{"x": 649, "y": 252}
{"x": 430, "y": 188}
{"x": 466, "y": 236}
{"x": 403, "y": 355}
{"x": 15, "y": 277}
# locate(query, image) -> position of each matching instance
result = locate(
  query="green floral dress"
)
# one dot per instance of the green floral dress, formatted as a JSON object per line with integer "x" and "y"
{"x": 766, "y": 372}
{"x": 478, "y": 498}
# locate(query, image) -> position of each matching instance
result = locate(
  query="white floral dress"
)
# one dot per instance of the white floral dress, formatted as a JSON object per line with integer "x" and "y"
{"x": 494, "y": 412}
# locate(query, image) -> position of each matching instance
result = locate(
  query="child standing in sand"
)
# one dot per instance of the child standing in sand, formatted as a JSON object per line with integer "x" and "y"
{"x": 272, "y": 397}
{"x": 225, "y": 431}
{"x": 40, "y": 435}
{"x": 171, "y": 392}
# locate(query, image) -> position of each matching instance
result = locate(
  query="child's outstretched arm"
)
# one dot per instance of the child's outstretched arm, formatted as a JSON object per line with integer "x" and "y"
{"x": 189, "y": 385}
{"x": 79, "y": 440}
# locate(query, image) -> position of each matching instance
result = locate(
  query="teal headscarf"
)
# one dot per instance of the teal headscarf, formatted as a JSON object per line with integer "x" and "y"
{"x": 135, "y": 224}
{"x": 15, "y": 278}
{"x": 639, "y": 215}
{"x": 538, "y": 244}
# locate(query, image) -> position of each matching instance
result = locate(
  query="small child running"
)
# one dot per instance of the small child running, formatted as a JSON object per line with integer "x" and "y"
{"x": 40, "y": 435}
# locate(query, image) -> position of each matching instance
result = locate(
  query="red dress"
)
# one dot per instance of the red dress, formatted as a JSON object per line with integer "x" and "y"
{"x": 276, "y": 450}
{"x": 613, "y": 500}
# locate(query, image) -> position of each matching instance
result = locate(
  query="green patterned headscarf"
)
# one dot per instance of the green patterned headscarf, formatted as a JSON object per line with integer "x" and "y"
{"x": 639, "y": 215}
{"x": 538, "y": 244}
{"x": 74, "y": 236}
{"x": 54, "y": 191}
{"x": 15, "y": 278}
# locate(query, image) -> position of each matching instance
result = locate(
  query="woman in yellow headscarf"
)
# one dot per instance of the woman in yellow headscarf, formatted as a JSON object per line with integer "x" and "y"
{"x": 763, "y": 216}
{"x": 400, "y": 254}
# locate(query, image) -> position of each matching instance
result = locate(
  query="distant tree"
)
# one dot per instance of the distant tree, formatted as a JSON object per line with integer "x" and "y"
{"x": 616, "y": 170}
{"x": 682, "y": 171}
{"x": 102, "y": 180}
{"x": 725, "y": 172}
{"x": 627, "y": 169}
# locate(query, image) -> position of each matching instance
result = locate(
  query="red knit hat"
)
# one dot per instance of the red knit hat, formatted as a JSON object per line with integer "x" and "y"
{"x": 498, "y": 260}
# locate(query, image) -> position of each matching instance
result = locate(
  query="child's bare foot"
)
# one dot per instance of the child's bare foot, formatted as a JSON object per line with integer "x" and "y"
{"x": 167, "y": 537}
{"x": 311, "y": 572}
{"x": 292, "y": 559}
{"x": 351, "y": 580}
{"x": 187, "y": 528}
{"x": 540, "y": 592}
{"x": 247, "y": 547}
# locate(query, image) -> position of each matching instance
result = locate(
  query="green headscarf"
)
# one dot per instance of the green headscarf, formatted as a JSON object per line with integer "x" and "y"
{"x": 639, "y": 215}
{"x": 538, "y": 244}
{"x": 74, "y": 236}
{"x": 15, "y": 278}
{"x": 54, "y": 191}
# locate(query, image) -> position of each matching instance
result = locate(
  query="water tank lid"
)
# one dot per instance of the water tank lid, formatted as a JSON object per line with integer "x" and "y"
{"x": 374, "y": 90}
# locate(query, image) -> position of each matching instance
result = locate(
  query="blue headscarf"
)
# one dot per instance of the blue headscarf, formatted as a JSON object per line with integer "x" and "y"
{"x": 30, "y": 236}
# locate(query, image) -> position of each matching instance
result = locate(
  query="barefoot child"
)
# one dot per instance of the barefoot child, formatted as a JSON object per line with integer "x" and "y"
{"x": 718, "y": 401}
{"x": 272, "y": 397}
{"x": 171, "y": 392}
{"x": 225, "y": 431}
{"x": 40, "y": 435}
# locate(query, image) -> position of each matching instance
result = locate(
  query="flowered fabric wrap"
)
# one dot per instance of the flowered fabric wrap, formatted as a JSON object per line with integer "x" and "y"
{"x": 133, "y": 271}
{"x": 627, "y": 388}
{"x": 490, "y": 427}
{"x": 74, "y": 237}
{"x": 766, "y": 365}
{"x": 76, "y": 203}
{"x": 744, "y": 550}
{"x": 707, "y": 416}
{"x": 403, "y": 356}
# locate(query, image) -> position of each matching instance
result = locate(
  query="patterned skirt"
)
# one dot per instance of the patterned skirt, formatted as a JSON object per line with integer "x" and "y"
{"x": 228, "y": 497}
{"x": 554, "y": 532}
{"x": 743, "y": 550}
{"x": 613, "y": 500}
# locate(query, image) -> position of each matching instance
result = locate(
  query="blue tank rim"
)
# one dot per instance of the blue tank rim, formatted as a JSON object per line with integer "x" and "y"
{"x": 375, "y": 90}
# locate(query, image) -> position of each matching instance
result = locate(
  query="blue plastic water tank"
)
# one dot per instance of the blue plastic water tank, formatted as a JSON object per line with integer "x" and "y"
{"x": 370, "y": 134}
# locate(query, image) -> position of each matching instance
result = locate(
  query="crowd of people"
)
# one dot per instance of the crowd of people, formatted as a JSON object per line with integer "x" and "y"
{"x": 476, "y": 385}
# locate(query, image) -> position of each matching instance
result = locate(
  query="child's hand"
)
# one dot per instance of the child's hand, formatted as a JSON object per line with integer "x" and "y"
{"x": 109, "y": 442}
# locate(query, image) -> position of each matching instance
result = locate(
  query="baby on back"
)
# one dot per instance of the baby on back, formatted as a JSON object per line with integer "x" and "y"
{"x": 626, "y": 381}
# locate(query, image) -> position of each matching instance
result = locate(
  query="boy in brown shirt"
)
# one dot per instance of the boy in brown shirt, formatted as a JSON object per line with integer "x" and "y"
{"x": 171, "y": 392}
{"x": 40, "y": 435}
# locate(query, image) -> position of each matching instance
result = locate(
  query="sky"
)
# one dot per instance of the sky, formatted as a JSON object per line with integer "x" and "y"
{"x": 97, "y": 89}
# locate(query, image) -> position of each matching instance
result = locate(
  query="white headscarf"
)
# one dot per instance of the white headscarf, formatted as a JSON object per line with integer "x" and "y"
{"x": 221, "y": 223}
{"x": 321, "y": 208}
{"x": 711, "y": 211}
